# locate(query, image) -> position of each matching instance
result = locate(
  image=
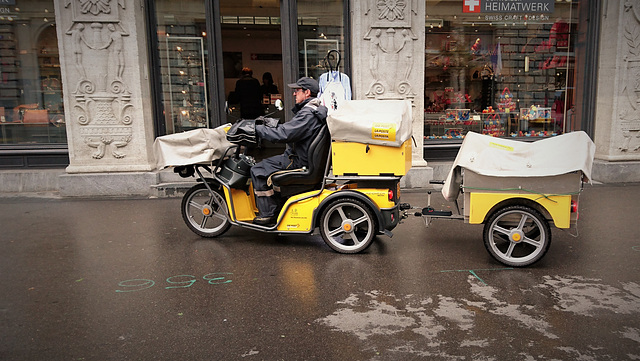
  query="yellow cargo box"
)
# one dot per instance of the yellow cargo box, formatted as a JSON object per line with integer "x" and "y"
{"x": 349, "y": 158}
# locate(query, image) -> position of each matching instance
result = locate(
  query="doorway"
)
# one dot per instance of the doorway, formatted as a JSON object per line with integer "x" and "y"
{"x": 251, "y": 41}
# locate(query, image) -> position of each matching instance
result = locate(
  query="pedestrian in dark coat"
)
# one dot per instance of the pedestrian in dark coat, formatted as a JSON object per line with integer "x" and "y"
{"x": 249, "y": 95}
{"x": 298, "y": 133}
{"x": 268, "y": 87}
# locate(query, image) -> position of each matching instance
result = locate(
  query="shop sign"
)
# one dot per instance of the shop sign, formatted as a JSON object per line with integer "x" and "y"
{"x": 7, "y": 2}
{"x": 508, "y": 6}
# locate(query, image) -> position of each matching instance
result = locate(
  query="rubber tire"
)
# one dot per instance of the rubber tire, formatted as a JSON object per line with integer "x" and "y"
{"x": 351, "y": 208}
{"x": 196, "y": 224}
{"x": 541, "y": 232}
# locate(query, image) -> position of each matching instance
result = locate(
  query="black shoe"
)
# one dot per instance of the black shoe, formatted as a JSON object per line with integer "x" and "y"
{"x": 265, "y": 221}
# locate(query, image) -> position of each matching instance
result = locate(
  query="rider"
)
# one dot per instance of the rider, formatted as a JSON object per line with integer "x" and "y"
{"x": 297, "y": 133}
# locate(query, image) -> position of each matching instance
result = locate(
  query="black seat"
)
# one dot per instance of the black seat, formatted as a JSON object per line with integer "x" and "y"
{"x": 296, "y": 182}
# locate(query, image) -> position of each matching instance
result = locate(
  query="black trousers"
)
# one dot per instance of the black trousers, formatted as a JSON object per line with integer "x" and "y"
{"x": 267, "y": 200}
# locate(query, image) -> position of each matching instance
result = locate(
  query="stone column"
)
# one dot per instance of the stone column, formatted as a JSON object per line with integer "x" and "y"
{"x": 617, "y": 127}
{"x": 103, "y": 61}
{"x": 388, "y": 40}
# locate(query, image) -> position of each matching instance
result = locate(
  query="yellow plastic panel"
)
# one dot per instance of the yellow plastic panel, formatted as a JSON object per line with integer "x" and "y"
{"x": 379, "y": 196}
{"x": 356, "y": 158}
{"x": 559, "y": 206}
{"x": 244, "y": 205}
{"x": 299, "y": 216}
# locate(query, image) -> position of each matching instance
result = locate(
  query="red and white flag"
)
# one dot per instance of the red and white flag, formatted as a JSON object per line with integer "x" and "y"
{"x": 471, "y": 6}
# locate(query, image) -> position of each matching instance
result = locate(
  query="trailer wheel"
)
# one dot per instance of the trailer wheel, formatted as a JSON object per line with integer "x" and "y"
{"x": 205, "y": 213}
{"x": 347, "y": 226}
{"x": 517, "y": 235}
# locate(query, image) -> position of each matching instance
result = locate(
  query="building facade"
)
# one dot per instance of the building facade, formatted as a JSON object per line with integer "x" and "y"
{"x": 86, "y": 86}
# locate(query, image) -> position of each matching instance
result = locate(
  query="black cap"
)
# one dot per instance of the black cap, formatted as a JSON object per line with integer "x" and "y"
{"x": 306, "y": 83}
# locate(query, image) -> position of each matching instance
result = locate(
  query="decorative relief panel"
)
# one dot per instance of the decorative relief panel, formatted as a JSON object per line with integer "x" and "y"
{"x": 101, "y": 100}
{"x": 630, "y": 110}
{"x": 391, "y": 48}
{"x": 88, "y": 10}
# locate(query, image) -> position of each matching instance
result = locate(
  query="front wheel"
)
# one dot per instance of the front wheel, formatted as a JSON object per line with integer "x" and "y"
{"x": 205, "y": 213}
{"x": 347, "y": 226}
{"x": 517, "y": 236}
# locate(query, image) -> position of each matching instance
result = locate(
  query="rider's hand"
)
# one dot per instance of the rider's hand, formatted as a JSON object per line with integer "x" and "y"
{"x": 267, "y": 122}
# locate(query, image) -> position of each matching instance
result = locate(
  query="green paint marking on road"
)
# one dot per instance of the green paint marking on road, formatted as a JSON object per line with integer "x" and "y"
{"x": 476, "y": 276}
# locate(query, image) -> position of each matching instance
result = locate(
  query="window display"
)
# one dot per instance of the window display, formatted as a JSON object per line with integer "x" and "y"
{"x": 31, "y": 107}
{"x": 183, "y": 59}
{"x": 320, "y": 30}
{"x": 501, "y": 72}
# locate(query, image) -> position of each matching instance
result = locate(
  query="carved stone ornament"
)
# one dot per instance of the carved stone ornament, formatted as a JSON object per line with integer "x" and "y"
{"x": 95, "y": 10}
{"x": 101, "y": 102}
{"x": 391, "y": 49}
{"x": 630, "y": 117}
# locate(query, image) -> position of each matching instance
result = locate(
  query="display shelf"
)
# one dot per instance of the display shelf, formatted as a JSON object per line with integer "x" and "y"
{"x": 187, "y": 94}
{"x": 438, "y": 126}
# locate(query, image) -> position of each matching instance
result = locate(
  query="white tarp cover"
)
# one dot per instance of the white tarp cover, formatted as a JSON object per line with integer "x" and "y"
{"x": 198, "y": 146}
{"x": 498, "y": 157}
{"x": 381, "y": 122}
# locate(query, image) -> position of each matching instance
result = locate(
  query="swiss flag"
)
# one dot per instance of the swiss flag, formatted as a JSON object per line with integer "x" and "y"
{"x": 471, "y": 6}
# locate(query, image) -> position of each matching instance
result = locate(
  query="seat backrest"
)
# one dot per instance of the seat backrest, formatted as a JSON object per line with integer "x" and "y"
{"x": 317, "y": 154}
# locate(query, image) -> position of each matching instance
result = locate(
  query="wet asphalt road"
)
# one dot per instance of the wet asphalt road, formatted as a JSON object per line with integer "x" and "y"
{"x": 126, "y": 280}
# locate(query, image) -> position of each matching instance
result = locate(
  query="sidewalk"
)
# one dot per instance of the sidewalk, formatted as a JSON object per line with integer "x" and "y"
{"x": 162, "y": 184}
{"x": 155, "y": 184}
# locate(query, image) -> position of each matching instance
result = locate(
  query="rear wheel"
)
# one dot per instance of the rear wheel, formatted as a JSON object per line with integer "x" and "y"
{"x": 347, "y": 226}
{"x": 517, "y": 235}
{"x": 205, "y": 213}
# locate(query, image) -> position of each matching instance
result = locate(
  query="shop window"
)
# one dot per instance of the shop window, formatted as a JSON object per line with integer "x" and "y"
{"x": 502, "y": 73}
{"x": 31, "y": 102}
{"x": 321, "y": 30}
{"x": 182, "y": 50}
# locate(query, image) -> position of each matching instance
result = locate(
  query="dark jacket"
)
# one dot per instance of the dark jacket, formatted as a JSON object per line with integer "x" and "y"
{"x": 249, "y": 96}
{"x": 298, "y": 133}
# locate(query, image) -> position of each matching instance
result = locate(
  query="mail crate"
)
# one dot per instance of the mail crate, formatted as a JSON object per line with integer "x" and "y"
{"x": 351, "y": 158}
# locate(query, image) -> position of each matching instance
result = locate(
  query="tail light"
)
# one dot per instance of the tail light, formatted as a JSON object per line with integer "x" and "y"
{"x": 574, "y": 209}
{"x": 390, "y": 194}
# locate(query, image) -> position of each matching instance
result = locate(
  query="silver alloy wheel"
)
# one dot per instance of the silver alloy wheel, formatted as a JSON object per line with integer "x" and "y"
{"x": 205, "y": 213}
{"x": 347, "y": 226}
{"x": 517, "y": 235}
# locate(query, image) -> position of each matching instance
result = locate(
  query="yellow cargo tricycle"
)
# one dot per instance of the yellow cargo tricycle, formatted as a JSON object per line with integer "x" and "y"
{"x": 350, "y": 192}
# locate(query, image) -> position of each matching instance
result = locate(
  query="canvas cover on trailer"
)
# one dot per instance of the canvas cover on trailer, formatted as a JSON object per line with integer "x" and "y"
{"x": 498, "y": 157}
{"x": 380, "y": 122}
{"x": 198, "y": 146}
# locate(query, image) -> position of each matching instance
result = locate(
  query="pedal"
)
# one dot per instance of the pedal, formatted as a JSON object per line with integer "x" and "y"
{"x": 428, "y": 211}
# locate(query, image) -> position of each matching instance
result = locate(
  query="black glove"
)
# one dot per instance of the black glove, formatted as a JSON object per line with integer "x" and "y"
{"x": 243, "y": 132}
{"x": 267, "y": 122}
